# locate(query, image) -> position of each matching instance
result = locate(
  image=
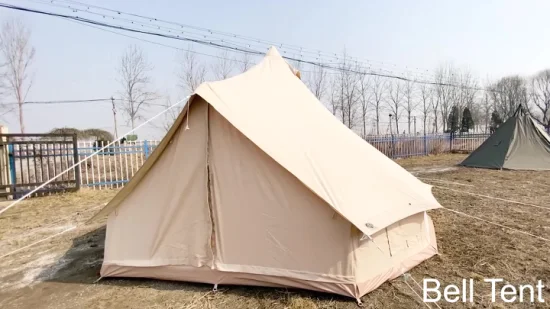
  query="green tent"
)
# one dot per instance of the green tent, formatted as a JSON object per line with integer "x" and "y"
{"x": 518, "y": 144}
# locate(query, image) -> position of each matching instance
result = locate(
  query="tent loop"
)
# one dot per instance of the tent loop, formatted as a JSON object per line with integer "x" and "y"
{"x": 188, "y": 115}
{"x": 215, "y": 288}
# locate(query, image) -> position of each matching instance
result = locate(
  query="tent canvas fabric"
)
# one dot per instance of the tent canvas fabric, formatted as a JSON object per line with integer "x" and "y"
{"x": 257, "y": 183}
{"x": 518, "y": 144}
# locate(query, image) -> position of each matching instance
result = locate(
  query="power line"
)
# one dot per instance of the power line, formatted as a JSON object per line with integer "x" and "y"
{"x": 237, "y": 49}
{"x": 176, "y": 37}
{"x": 77, "y": 102}
{"x": 296, "y": 48}
{"x": 156, "y": 43}
{"x": 57, "y": 102}
{"x": 168, "y": 46}
{"x": 317, "y": 55}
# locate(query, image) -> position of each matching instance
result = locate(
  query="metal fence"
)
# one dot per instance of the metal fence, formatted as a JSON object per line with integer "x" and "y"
{"x": 403, "y": 146}
{"x": 34, "y": 159}
{"x": 116, "y": 165}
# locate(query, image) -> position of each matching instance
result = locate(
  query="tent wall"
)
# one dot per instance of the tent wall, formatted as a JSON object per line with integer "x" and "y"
{"x": 268, "y": 228}
{"x": 266, "y": 221}
{"x": 165, "y": 220}
{"x": 267, "y": 188}
{"x": 519, "y": 144}
{"x": 207, "y": 275}
{"x": 279, "y": 114}
{"x": 530, "y": 149}
{"x": 394, "y": 251}
{"x": 492, "y": 152}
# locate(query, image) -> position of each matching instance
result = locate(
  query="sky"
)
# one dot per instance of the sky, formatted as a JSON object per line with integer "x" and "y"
{"x": 73, "y": 61}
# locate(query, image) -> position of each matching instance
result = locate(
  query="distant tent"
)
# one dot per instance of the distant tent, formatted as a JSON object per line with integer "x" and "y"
{"x": 257, "y": 183}
{"x": 518, "y": 144}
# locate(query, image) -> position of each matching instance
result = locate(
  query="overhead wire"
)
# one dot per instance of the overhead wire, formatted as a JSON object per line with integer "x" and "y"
{"x": 59, "y": 102}
{"x": 204, "y": 37}
{"x": 78, "y": 102}
{"x": 318, "y": 57}
{"x": 296, "y": 48}
{"x": 158, "y": 43}
{"x": 187, "y": 50}
{"x": 237, "y": 49}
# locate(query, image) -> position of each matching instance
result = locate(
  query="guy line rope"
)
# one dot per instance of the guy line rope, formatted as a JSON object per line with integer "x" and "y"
{"x": 88, "y": 157}
{"x": 68, "y": 169}
{"x": 448, "y": 209}
{"x": 492, "y": 197}
{"x": 170, "y": 107}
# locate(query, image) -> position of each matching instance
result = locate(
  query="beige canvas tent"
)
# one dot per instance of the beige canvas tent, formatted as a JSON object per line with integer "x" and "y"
{"x": 257, "y": 183}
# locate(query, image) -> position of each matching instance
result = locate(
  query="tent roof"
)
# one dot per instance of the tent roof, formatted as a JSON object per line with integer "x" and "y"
{"x": 276, "y": 111}
{"x": 518, "y": 144}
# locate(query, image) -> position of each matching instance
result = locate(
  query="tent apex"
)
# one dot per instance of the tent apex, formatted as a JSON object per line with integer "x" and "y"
{"x": 273, "y": 52}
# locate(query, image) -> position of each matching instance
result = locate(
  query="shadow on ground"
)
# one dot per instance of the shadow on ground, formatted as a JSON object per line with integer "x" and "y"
{"x": 82, "y": 262}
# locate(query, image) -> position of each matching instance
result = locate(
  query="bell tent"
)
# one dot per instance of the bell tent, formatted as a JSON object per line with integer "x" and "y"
{"x": 257, "y": 183}
{"x": 518, "y": 144}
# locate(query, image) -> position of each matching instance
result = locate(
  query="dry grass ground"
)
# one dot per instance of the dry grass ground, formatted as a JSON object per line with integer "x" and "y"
{"x": 60, "y": 272}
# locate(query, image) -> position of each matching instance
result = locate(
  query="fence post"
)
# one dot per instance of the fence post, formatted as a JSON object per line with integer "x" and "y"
{"x": 76, "y": 158}
{"x": 13, "y": 174}
{"x": 393, "y": 151}
{"x": 425, "y": 144}
{"x": 146, "y": 149}
{"x": 451, "y": 141}
{"x": 5, "y": 161}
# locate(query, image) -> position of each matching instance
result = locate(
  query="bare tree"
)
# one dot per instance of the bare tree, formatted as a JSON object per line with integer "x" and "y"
{"x": 135, "y": 81}
{"x": 446, "y": 91}
{"x": 224, "y": 66}
{"x": 245, "y": 63}
{"x": 365, "y": 99}
{"x": 333, "y": 102}
{"x": 426, "y": 103}
{"x": 468, "y": 89}
{"x": 410, "y": 102}
{"x": 17, "y": 56}
{"x": 377, "y": 86}
{"x": 395, "y": 93}
{"x": 507, "y": 94}
{"x": 346, "y": 92}
{"x": 350, "y": 98}
{"x": 171, "y": 114}
{"x": 486, "y": 110}
{"x": 540, "y": 96}
{"x": 317, "y": 82}
{"x": 191, "y": 73}
{"x": 435, "y": 101}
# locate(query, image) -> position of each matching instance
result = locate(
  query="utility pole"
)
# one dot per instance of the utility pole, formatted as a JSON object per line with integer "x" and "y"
{"x": 114, "y": 116}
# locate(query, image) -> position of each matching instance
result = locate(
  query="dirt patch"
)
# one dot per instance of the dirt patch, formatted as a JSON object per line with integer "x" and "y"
{"x": 60, "y": 273}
